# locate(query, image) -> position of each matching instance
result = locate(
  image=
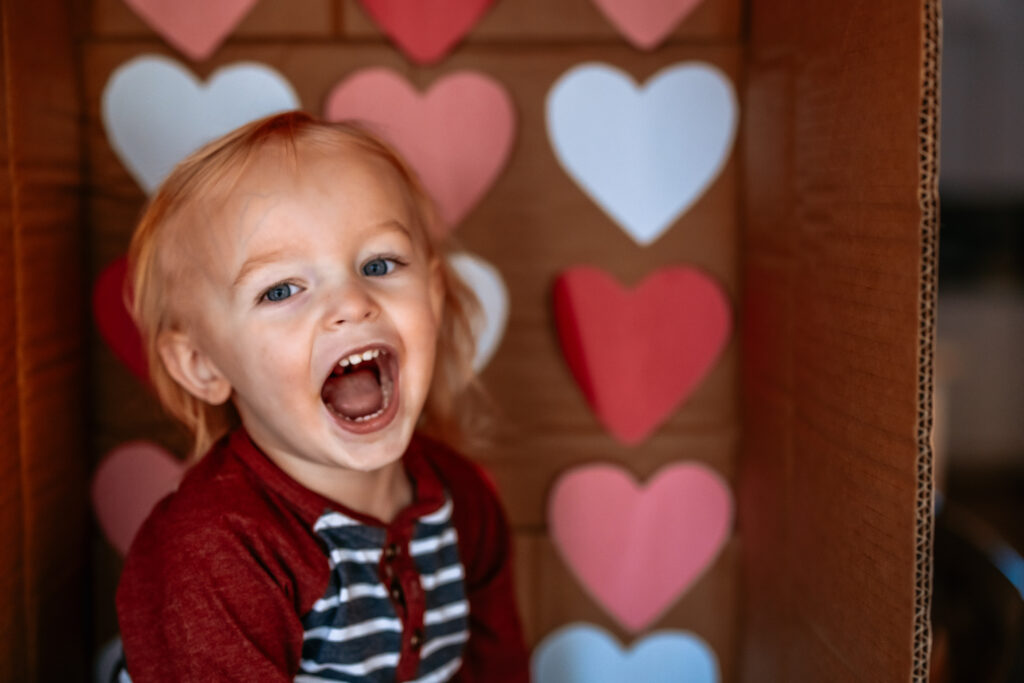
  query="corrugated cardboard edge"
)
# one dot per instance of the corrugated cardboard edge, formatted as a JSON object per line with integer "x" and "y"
{"x": 929, "y": 169}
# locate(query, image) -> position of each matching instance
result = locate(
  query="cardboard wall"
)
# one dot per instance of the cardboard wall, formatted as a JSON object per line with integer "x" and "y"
{"x": 838, "y": 289}
{"x": 818, "y": 228}
{"x": 533, "y": 223}
{"x": 43, "y": 450}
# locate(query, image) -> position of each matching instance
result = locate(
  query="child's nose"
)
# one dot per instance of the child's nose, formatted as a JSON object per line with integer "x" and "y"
{"x": 350, "y": 303}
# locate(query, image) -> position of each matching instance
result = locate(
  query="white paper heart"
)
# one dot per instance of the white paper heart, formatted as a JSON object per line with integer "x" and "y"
{"x": 489, "y": 287}
{"x": 644, "y": 155}
{"x": 108, "y": 661}
{"x": 156, "y": 111}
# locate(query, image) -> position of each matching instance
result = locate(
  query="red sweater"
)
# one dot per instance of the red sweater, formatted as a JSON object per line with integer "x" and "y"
{"x": 244, "y": 574}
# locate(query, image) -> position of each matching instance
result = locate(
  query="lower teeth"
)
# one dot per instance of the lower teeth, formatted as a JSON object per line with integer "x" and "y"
{"x": 364, "y": 418}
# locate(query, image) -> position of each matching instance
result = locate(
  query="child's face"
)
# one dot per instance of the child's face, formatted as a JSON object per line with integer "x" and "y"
{"x": 307, "y": 272}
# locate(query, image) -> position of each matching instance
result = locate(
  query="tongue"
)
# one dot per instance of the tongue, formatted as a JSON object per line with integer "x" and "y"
{"x": 354, "y": 394}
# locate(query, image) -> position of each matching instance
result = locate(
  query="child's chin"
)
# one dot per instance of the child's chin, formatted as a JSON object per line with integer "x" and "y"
{"x": 369, "y": 454}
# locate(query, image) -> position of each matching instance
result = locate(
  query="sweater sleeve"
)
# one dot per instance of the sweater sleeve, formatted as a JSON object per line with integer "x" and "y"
{"x": 200, "y": 604}
{"x": 495, "y": 652}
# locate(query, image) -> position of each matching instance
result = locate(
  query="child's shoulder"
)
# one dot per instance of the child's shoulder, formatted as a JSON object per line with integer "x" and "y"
{"x": 220, "y": 501}
{"x": 216, "y": 485}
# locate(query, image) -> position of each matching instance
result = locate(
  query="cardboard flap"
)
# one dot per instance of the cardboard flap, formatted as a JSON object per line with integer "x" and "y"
{"x": 839, "y": 276}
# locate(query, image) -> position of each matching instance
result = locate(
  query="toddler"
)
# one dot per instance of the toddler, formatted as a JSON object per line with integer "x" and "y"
{"x": 300, "y": 321}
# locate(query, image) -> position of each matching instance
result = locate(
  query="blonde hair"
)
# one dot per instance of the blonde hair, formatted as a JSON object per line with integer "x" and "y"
{"x": 151, "y": 272}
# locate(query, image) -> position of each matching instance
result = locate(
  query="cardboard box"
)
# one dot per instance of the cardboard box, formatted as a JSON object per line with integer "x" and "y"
{"x": 821, "y": 228}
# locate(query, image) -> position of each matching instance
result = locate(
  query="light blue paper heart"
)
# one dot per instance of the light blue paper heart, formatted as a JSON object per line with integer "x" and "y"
{"x": 644, "y": 155}
{"x": 581, "y": 653}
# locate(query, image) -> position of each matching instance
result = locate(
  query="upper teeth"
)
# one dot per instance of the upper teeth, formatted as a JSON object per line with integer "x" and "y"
{"x": 357, "y": 358}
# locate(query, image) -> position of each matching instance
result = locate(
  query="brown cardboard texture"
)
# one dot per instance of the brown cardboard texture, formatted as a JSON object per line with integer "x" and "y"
{"x": 821, "y": 229}
{"x": 839, "y": 248}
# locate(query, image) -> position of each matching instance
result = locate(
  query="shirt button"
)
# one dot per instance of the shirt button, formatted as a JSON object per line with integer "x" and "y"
{"x": 416, "y": 639}
{"x": 396, "y": 592}
{"x": 391, "y": 551}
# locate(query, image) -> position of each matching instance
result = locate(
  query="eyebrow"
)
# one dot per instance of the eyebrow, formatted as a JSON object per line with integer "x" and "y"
{"x": 395, "y": 225}
{"x": 257, "y": 262}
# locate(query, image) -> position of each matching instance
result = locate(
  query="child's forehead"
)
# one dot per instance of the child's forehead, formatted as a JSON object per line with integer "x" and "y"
{"x": 308, "y": 168}
{"x": 277, "y": 177}
{"x": 301, "y": 168}
{"x": 300, "y": 163}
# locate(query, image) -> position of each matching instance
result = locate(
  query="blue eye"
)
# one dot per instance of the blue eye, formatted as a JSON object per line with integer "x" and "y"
{"x": 378, "y": 267}
{"x": 280, "y": 292}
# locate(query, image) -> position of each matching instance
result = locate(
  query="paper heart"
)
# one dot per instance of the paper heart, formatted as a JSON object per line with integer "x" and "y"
{"x": 107, "y": 662}
{"x": 128, "y": 483}
{"x": 637, "y": 354}
{"x": 196, "y": 27}
{"x": 426, "y": 30}
{"x": 638, "y": 549}
{"x": 645, "y": 23}
{"x": 113, "y": 320}
{"x": 581, "y": 653}
{"x": 643, "y": 155}
{"x": 486, "y": 282}
{"x": 457, "y": 136}
{"x": 156, "y": 112}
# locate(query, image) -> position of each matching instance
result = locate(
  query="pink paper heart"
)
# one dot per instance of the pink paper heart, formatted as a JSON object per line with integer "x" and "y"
{"x": 637, "y": 354}
{"x": 126, "y": 486}
{"x": 195, "y": 27}
{"x": 113, "y": 321}
{"x": 645, "y": 23}
{"x": 637, "y": 549}
{"x": 457, "y": 136}
{"x": 426, "y": 30}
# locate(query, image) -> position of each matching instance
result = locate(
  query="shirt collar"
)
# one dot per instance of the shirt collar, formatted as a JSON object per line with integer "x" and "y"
{"x": 428, "y": 492}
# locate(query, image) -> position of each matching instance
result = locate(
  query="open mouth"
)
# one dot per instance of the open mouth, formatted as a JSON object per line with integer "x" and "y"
{"x": 360, "y": 391}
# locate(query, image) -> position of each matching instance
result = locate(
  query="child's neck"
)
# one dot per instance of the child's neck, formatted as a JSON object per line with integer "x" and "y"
{"x": 382, "y": 493}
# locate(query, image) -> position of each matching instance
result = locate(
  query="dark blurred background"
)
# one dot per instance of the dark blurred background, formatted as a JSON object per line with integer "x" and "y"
{"x": 977, "y": 611}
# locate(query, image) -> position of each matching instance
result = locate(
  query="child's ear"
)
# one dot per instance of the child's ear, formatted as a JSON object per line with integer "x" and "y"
{"x": 192, "y": 369}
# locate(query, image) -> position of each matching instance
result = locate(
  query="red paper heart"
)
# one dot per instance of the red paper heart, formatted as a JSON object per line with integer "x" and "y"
{"x": 196, "y": 27}
{"x": 426, "y": 30}
{"x": 126, "y": 486}
{"x": 115, "y": 324}
{"x": 637, "y": 354}
{"x": 456, "y": 136}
